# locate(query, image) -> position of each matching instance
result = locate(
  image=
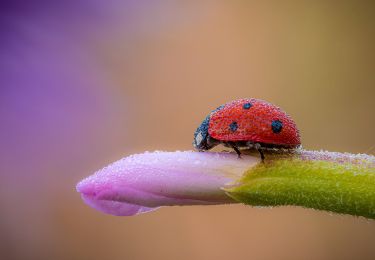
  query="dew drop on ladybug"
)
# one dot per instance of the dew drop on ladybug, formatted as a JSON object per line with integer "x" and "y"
{"x": 247, "y": 123}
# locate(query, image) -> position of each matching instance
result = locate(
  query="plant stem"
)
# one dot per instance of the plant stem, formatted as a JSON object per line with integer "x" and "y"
{"x": 341, "y": 183}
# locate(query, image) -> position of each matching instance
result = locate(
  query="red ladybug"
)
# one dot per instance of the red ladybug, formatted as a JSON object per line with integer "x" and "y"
{"x": 247, "y": 123}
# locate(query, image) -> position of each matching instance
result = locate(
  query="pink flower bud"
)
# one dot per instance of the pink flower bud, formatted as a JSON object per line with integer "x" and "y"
{"x": 144, "y": 182}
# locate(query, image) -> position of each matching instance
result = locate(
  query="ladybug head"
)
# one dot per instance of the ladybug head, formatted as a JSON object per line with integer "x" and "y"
{"x": 202, "y": 139}
{"x": 201, "y": 136}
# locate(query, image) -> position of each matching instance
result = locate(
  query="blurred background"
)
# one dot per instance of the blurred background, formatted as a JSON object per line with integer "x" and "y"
{"x": 84, "y": 83}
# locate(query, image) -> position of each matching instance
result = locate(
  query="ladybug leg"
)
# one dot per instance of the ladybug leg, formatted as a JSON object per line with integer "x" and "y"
{"x": 211, "y": 142}
{"x": 259, "y": 149}
{"x": 261, "y": 154}
{"x": 235, "y": 148}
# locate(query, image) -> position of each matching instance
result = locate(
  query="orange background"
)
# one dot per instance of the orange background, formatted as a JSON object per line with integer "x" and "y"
{"x": 177, "y": 62}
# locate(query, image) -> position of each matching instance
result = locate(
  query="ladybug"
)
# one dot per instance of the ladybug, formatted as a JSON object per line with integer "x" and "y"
{"x": 247, "y": 123}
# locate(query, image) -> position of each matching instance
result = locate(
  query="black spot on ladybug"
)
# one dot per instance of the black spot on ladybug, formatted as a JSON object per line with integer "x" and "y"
{"x": 233, "y": 126}
{"x": 247, "y": 105}
{"x": 276, "y": 125}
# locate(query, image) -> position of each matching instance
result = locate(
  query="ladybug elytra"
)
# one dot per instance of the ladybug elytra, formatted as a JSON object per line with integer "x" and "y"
{"x": 247, "y": 123}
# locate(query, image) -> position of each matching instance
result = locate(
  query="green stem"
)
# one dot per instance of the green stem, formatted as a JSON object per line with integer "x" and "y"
{"x": 341, "y": 186}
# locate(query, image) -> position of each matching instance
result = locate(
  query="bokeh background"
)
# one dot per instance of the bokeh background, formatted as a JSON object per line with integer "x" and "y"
{"x": 84, "y": 83}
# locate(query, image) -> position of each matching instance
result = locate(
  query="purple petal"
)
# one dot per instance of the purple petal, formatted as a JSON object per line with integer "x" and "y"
{"x": 115, "y": 207}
